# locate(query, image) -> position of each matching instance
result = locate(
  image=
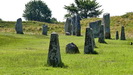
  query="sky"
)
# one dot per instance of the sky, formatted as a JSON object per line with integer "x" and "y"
{"x": 11, "y": 10}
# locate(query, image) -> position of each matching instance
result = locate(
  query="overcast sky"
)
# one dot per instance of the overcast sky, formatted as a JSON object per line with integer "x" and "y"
{"x": 10, "y": 10}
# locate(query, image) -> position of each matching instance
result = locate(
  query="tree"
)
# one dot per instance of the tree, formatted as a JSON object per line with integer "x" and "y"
{"x": 53, "y": 20}
{"x": 37, "y": 10}
{"x": 85, "y": 8}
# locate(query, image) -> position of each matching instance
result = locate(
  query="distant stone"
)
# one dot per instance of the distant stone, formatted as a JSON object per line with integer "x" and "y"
{"x": 106, "y": 23}
{"x": 123, "y": 33}
{"x": 117, "y": 35}
{"x": 96, "y": 28}
{"x": 44, "y": 29}
{"x": 71, "y": 48}
{"x": 67, "y": 33}
{"x": 68, "y": 26}
{"x": 101, "y": 35}
{"x": 77, "y": 24}
{"x": 73, "y": 25}
{"x": 54, "y": 56}
{"x": 94, "y": 44}
{"x": 19, "y": 26}
{"x": 88, "y": 46}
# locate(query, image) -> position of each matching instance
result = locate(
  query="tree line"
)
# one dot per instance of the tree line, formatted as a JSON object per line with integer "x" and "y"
{"x": 37, "y": 10}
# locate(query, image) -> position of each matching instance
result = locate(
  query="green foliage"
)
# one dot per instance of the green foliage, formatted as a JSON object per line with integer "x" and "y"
{"x": 86, "y": 8}
{"x": 53, "y": 20}
{"x": 37, "y": 10}
{"x": 72, "y": 9}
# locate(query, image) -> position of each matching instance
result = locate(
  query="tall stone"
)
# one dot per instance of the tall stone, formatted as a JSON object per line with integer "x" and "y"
{"x": 54, "y": 56}
{"x": 44, "y": 29}
{"x": 68, "y": 26}
{"x": 106, "y": 23}
{"x": 77, "y": 24}
{"x": 117, "y": 35}
{"x": 101, "y": 35}
{"x": 123, "y": 33}
{"x": 96, "y": 27}
{"x": 94, "y": 44}
{"x": 88, "y": 46}
{"x": 19, "y": 26}
{"x": 73, "y": 25}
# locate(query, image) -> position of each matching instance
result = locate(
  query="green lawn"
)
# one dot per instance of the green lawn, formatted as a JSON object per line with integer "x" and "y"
{"x": 27, "y": 55}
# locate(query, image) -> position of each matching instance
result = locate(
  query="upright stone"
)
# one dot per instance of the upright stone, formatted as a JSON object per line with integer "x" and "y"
{"x": 68, "y": 26}
{"x": 123, "y": 33}
{"x": 94, "y": 44}
{"x": 88, "y": 46}
{"x": 73, "y": 25}
{"x": 117, "y": 35}
{"x": 44, "y": 29}
{"x": 106, "y": 22}
{"x": 18, "y": 26}
{"x": 96, "y": 28}
{"x": 54, "y": 56}
{"x": 78, "y": 27}
{"x": 101, "y": 35}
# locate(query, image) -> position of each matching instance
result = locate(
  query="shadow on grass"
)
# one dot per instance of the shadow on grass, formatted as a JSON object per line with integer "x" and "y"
{"x": 62, "y": 65}
{"x": 94, "y": 52}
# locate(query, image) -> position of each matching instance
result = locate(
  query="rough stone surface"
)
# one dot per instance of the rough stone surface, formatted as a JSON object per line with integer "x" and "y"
{"x": 117, "y": 35}
{"x": 101, "y": 35}
{"x": 68, "y": 26}
{"x": 106, "y": 23}
{"x": 123, "y": 33}
{"x": 96, "y": 28}
{"x": 71, "y": 48}
{"x": 88, "y": 46}
{"x": 77, "y": 24}
{"x": 19, "y": 27}
{"x": 54, "y": 56}
{"x": 73, "y": 25}
{"x": 44, "y": 29}
{"x": 94, "y": 44}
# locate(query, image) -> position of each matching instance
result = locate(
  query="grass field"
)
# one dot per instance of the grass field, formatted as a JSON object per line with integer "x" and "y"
{"x": 27, "y": 55}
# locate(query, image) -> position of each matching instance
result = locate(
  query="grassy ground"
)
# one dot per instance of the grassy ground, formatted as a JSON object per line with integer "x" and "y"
{"x": 27, "y": 55}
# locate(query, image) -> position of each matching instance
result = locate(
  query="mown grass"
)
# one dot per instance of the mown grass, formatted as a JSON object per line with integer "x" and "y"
{"x": 27, "y": 55}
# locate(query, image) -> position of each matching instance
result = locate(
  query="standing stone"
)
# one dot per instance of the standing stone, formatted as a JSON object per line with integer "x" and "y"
{"x": 96, "y": 28}
{"x": 88, "y": 46}
{"x": 54, "y": 56}
{"x": 73, "y": 25}
{"x": 123, "y": 33}
{"x": 18, "y": 26}
{"x": 101, "y": 35}
{"x": 44, "y": 29}
{"x": 94, "y": 44}
{"x": 117, "y": 35}
{"x": 71, "y": 48}
{"x": 68, "y": 26}
{"x": 77, "y": 24}
{"x": 106, "y": 22}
